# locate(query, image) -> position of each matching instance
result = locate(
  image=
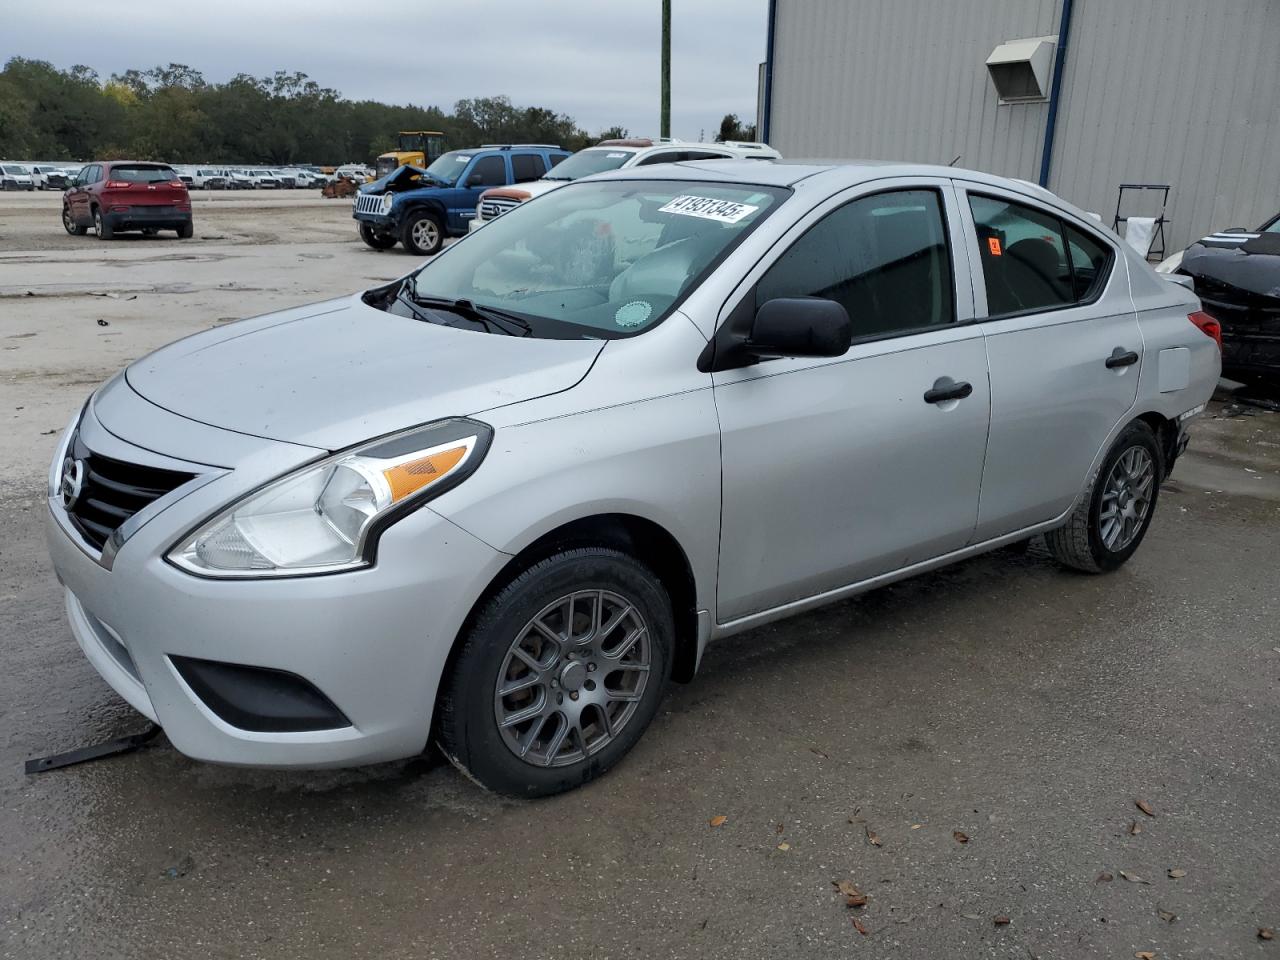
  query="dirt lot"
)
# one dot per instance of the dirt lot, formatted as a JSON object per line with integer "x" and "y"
{"x": 1022, "y": 706}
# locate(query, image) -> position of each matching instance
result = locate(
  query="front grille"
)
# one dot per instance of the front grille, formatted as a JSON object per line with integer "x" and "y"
{"x": 369, "y": 203}
{"x": 494, "y": 207}
{"x": 112, "y": 491}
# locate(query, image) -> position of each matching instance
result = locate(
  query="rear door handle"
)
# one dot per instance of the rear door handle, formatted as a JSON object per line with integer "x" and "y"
{"x": 944, "y": 389}
{"x": 1120, "y": 357}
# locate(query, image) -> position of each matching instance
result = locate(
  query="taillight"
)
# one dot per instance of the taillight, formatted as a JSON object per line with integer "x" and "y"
{"x": 118, "y": 184}
{"x": 177, "y": 183}
{"x": 1210, "y": 327}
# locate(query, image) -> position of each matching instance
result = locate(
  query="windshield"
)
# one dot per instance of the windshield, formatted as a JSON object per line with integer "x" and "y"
{"x": 586, "y": 162}
{"x": 448, "y": 167}
{"x": 136, "y": 173}
{"x": 599, "y": 260}
{"x": 14, "y": 170}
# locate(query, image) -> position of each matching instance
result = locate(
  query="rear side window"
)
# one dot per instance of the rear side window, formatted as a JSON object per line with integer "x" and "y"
{"x": 885, "y": 258}
{"x": 669, "y": 156}
{"x": 526, "y": 167}
{"x": 1025, "y": 261}
{"x": 137, "y": 173}
{"x": 488, "y": 172}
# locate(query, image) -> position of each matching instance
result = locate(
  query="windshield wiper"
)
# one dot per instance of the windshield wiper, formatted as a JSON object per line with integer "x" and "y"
{"x": 488, "y": 317}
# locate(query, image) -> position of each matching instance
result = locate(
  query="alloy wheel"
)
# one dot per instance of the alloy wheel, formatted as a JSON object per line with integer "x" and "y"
{"x": 573, "y": 678}
{"x": 1126, "y": 498}
{"x": 426, "y": 234}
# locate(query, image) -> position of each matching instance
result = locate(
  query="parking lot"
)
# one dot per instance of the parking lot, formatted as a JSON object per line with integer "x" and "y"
{"x": 968, "y": 748}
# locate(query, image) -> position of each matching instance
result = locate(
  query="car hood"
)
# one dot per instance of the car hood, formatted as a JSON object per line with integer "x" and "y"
{"x": 1246, "y": 261}
{"x": 401, "y": 179}
{"x": 335, "y": 374}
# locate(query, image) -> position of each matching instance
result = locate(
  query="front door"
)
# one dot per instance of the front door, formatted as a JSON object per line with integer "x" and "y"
{"x": 483, "y": 173}
{"x": 838, "y": 470}
{"x": 1064, "y": 347}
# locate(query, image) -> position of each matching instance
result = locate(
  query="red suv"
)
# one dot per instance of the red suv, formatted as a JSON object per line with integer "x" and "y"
{"x": 124, "y": 195}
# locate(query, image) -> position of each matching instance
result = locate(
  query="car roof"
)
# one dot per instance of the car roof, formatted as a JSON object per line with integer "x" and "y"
{"x": 834, "y": 174}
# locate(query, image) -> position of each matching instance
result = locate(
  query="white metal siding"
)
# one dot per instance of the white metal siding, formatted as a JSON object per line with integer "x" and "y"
{"x": 1175, "y": 91}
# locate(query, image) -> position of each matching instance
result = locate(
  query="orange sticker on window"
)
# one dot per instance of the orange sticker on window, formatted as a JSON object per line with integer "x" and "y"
{"x": 993, "y": 244}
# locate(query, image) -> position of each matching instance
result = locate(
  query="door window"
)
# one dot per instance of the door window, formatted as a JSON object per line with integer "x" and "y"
{"x": 491, "y": 171}
{"x": 667, "y": 156}
{"x": 884, "y": 258}
{"x": 526, "y": 167}
{"x": 1025, "y": 264}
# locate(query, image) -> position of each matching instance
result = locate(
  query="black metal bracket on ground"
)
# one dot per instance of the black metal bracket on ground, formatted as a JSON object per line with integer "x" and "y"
{"x": 96, "y": 752}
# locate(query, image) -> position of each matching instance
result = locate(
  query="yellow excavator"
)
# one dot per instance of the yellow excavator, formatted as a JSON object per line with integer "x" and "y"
{"x": 416, "y": 147}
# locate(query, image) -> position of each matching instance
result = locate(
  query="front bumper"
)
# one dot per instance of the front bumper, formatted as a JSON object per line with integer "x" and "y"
{"x": 374, "y": 641}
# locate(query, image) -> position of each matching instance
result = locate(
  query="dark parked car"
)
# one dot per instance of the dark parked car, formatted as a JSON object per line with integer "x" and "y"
{"x": 126, "y": 195}
{"x": 1237, "y": 277}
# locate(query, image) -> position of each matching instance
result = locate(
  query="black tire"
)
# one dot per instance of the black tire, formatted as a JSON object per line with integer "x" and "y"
{"x": 69, "y": 224}
{"x": 186, "y": 231}
{"x": 417, "y": 235}
{"x": 379, "y": 241}
{"x": 1081, "y": 544}
{"x": 468, "y": 730}
{"x": 100, "y": 225}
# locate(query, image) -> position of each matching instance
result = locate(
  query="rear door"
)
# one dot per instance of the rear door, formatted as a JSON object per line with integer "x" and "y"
{"x": 1064, "y": 349}
{"x": 79, "y": 197}
{"x": 836, "y": 470}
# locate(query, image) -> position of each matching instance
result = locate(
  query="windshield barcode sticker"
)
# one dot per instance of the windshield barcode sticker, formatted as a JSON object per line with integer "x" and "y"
{"x": 708, "y": 208}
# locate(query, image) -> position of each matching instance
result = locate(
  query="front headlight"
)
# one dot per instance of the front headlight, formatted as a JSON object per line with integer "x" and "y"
{"x": 326, "y": 516}
{"x": 387, "y": 200}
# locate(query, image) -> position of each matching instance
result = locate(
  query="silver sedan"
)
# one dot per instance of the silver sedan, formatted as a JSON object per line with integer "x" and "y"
{"x": 499, "y": 503}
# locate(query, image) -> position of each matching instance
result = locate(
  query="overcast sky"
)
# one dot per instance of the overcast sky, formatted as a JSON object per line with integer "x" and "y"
{"x": 596, "y": 60}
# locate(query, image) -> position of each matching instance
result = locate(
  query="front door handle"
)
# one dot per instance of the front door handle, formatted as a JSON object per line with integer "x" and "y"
{"x": 944, "y": 389}
{"x": 1120, "y": 357}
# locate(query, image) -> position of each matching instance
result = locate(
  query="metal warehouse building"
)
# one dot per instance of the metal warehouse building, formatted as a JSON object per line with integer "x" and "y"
{"x": 1080, "y": 96}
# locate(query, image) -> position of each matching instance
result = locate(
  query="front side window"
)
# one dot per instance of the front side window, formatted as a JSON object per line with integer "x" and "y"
{"x": 1025, "y": 261}
{"x": 526, "y": 167}
{"x": 601, "y": 260}
{"x": 488, "y": 172}
{"x": 884, "y": 258}
{"x": 666, "y": 156}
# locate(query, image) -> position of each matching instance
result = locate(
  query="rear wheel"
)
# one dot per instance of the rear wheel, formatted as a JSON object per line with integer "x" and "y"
{"x": 100, "y": 225}
{"x": 423, "y": 234}
{"x": 185, "y": 231}
{"x": 379, "y": 241}
{"x": 69, "y": 223}
{"x": 1115, "y": 511}
{"x": 559, "y": 675}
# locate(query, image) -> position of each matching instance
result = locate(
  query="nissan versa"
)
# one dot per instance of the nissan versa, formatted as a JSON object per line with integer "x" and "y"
{"x": 499, "y": 503}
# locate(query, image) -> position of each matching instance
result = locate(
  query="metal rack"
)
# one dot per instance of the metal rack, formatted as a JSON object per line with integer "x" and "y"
{"x": 1156, "y": 250}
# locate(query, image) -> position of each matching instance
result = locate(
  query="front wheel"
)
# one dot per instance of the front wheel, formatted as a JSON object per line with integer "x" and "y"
{"x": 379, "y": 241}
{"x": 1115, "y": 511}
{"x": 559, "y": 675}
{"x": 69, "y": 223}
{"x": 423, "y": 234}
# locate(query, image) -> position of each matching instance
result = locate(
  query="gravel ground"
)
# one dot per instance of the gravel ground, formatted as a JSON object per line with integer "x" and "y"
{"x": 1025, "y": 707}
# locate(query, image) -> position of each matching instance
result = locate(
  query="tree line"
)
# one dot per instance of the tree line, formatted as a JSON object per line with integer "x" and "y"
{"x": 172, "y": 113}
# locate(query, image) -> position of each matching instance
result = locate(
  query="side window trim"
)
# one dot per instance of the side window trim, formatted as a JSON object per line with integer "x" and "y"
{"x": 967, "y": 188}
{"x": 964, "y": 312}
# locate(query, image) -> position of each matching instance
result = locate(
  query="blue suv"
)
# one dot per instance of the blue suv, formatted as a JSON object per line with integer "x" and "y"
{"x": 419, "y": 208}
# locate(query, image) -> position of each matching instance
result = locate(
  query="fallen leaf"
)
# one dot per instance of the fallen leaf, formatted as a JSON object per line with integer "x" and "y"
{"x": 1104, "y": 877}
{"x": 1133, "y": 877}
{"x": 1001, "y": 921}
{"x": 719, "y": 821}
{"x": 1166, "y": 916}
{"x": 1177, "y": 874}
{"x": 778, "y": 829}
{"x": 873, "y": 838}
{"x": 916, "y": 826}
{"x": 1144, "y": 807}
{"x": 784, "y": 846}
{"x": 853, "y": 897}
{"x": 1146, "y": 955}
{"x": 1135, "y": 828}
{"x": 1266, "y": 933}
{"x": 858, "y": 925}
{"x": 959, "y": 837}
{"x": 815, "y": 750}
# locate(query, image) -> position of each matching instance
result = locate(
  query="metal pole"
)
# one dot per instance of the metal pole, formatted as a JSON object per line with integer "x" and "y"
{"x": 665, "y": 120}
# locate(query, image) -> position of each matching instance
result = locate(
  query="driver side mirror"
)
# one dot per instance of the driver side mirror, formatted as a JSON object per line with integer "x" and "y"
{"x": 785, "y": 327}
{"x": 476, "y": 180}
